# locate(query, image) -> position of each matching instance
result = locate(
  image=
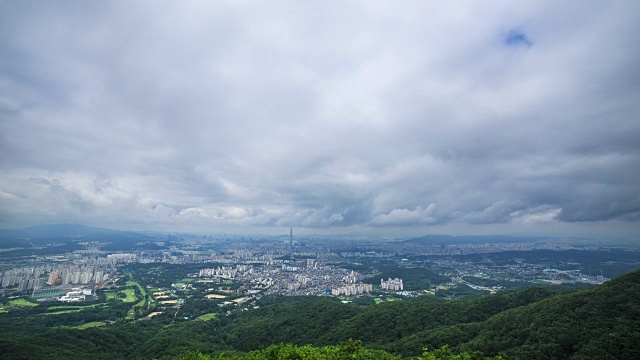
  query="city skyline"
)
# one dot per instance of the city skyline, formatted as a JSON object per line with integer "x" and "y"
{"x": 406, "y": 119}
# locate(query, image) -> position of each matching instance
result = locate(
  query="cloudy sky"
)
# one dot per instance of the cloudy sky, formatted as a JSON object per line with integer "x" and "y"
{"x": 337, "y": 116}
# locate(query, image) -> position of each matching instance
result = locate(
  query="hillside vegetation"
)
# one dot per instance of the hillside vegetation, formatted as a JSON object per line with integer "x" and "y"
{"x": 349, "y": 350}
{"x": 533, "y": 323}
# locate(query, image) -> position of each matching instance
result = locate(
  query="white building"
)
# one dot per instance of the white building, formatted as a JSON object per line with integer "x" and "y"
{"x": 392, "y": 284}
{"x": 353, "y": 289}
{"x": 77, "y": 295}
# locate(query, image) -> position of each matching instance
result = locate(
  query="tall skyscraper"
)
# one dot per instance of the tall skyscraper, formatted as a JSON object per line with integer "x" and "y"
{"x": 291, "y": 239}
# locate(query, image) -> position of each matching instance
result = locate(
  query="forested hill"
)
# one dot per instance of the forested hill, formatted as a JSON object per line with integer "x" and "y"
{"x": 596, "y": 323}
{"x": 534, "y": 323}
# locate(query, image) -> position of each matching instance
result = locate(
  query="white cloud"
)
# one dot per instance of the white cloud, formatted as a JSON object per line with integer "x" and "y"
{"x": 203, "y": 115}
{"x": 399, "y": 217}
{"x": 534, "y": 216}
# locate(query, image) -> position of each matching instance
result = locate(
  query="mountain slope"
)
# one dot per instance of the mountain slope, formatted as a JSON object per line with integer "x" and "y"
{"x": 599, "y": 322}
{"x": 535, "y": 323}
{"x": 56, "y": 230}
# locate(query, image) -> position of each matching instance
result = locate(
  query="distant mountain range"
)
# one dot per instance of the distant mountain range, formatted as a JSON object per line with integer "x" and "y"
{"x": 27, "y": 240}
{"x": 77, "y": 230}
{"x": 471, "y": 239}
{"x": 57, "y": 230}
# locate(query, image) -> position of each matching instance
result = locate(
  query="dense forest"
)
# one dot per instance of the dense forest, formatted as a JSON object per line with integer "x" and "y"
{"x": 349, "y": 350}
{"x": 533, "y": 323}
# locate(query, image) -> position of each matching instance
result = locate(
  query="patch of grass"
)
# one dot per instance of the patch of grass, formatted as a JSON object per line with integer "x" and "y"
{"x": 142, "y": 302}
{"x": 22, "y": 302}
{"x": 84, "y": 326}
{"x": 131, "y": 297}
{"x": 60, "y": 312}
{"x": 131, "y": 293}
{"x": 208, "y": 316}
{"x": 143, "y": 292}
{"x": 64, "y": 308}
{"x": 69, "y": 307}
{"x": 89, "y": 325}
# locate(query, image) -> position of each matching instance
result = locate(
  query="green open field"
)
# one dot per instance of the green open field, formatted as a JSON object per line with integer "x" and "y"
{"x": 381, "y": 300}
{"x": 52, "y": 310}
{"x": 22, "y": 302}
{"x": 143, "y": 292}
{"x": 89, "y": 325}
{"x": 131, "y": 296}
{"x": 208, "y": 316}
{"x": 140, "y": 303}
{"x": 130, "y": 293}
{"x": 70, "y": 309}
{"x": 61, "y": 312}
{"x": 85, "y": 326}
{"x": 15, "y": 304}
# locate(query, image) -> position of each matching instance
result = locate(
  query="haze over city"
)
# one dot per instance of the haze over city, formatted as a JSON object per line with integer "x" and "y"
{"x": 401, "y": 118}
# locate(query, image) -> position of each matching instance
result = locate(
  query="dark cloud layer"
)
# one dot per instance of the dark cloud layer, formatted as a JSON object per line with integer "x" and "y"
{"x": 412, "y": 116}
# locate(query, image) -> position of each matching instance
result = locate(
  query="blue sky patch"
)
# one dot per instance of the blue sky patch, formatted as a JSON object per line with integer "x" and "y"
{"x": 517, "y": 38}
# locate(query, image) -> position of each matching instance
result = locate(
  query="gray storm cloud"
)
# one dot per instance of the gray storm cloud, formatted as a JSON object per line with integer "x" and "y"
{"x": 411, "y": 115}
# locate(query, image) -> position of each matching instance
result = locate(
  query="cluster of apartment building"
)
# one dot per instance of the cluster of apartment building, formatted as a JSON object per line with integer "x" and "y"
{"x": 353, "y": 289}
{"x": 122, "y": 258}
{"x": 227, "y": 272}
{"x": 25, "y": 278}
{"x": 29, "y": 278}
{"x": 352, "y": 278}
{"x": 79, "y": 274}
{"x": 392, "y": 284}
